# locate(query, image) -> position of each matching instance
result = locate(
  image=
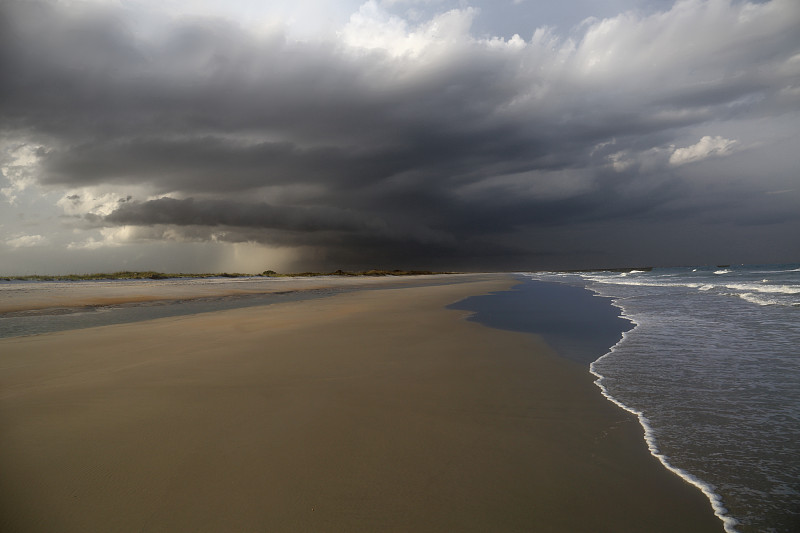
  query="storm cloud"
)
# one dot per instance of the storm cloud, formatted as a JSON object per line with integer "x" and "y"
{"x": 418, "y": 143}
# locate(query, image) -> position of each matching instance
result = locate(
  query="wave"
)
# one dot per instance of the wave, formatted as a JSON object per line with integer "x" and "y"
{"x": 723, "y": 271}
{"x": 626, "y": 274}
{"x": 746, "y": 290}
{"x": 764, "y": 301}
{"x": 784, "y": 271}
{"x": 720, "y": 511}
{"x": 768, "y": 289}
{"x": 642, "y": 282}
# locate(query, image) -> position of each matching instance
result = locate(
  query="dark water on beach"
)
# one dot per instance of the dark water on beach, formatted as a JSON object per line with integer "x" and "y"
{"x": 579, "y": 325}
{"x": 712, "y": 369}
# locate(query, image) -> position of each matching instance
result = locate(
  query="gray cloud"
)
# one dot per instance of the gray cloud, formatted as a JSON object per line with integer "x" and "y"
{"x": 465, "y": 147}
{"x": 188, "y": 212}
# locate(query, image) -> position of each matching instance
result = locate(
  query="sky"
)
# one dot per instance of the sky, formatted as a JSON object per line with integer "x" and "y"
{"x": 209, "y": 136}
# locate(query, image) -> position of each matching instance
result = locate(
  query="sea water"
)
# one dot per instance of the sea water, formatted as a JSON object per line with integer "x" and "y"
{"x": 712, "y": 369}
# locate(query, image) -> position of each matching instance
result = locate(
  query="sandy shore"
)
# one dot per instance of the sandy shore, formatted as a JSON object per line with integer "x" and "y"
{"x": 38, "y": 295}
{"x": 370, "y": 411}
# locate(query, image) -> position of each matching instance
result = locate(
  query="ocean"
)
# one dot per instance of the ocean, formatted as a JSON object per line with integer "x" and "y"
{"x": 712, "y": 370}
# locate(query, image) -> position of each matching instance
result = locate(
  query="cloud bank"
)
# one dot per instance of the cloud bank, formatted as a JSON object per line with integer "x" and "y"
{"x": 406, "y": 142}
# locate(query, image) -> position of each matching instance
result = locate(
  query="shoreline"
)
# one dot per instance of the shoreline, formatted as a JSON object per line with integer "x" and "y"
{"x": 527, "y": 307}
{"x": 715, "y": 500}
{"x": 370, "y": 410}
{"x": 729, "y": 523}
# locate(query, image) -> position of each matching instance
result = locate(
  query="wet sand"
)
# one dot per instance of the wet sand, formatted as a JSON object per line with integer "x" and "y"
{"x": 377, "y": 410}
{"x": 43, "y": 295}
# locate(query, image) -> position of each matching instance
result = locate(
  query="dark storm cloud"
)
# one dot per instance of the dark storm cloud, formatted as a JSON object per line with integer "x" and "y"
{"x": 465, "y": 146}
{"x": 211, "y": 164}
{"x": 189, "y": 212}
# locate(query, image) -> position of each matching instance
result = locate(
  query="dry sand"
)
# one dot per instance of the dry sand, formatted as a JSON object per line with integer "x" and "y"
{"x": 369, "y": 411}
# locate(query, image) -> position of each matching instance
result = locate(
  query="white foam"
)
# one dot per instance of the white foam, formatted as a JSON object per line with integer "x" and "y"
{"x": 757, "y": 299}
{"x": 782, "y": 271}
{"x": 723, "y": 271}
{"x": 728, "y": 522}
{"x": 769, "y": 289}
{"x": 642, "y": 282}
{"x": 617, "y": 281}
{"x": 749, "y": 289}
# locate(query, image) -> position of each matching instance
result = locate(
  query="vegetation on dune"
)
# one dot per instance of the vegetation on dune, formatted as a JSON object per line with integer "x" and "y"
{"x": 125, "y": 275}
{"x": 273, "y": 274}
{"x": 117, "y": 275}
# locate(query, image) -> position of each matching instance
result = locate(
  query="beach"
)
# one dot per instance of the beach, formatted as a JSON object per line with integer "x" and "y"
{"x": 372, "y": 410}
